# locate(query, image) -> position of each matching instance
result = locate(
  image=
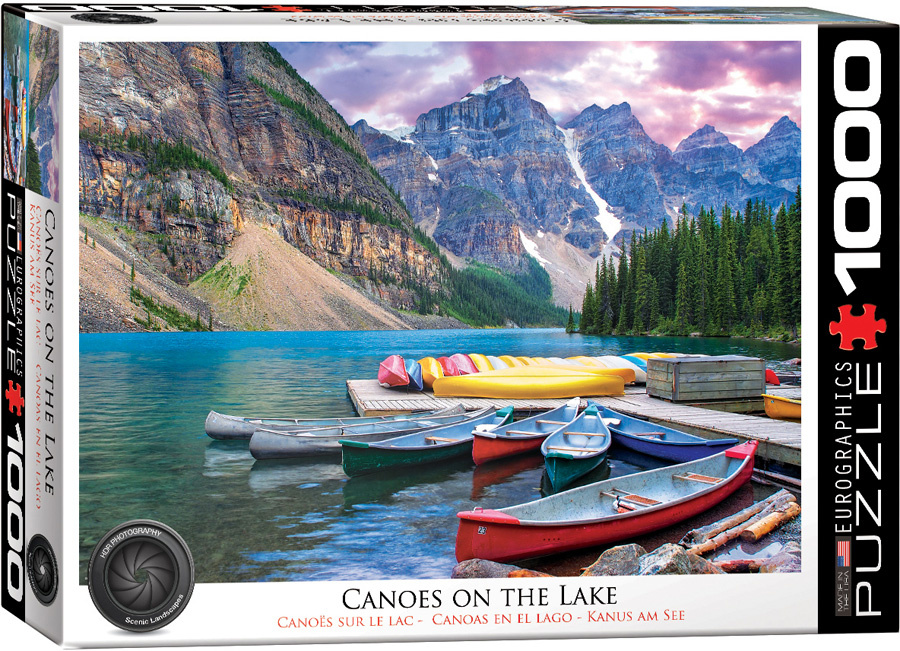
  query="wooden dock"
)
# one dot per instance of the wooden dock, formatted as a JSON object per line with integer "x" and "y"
{"x": 779, "y": 440}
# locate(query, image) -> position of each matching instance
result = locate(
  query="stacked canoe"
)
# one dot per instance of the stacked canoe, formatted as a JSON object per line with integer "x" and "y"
{"x": 517, "y": 377}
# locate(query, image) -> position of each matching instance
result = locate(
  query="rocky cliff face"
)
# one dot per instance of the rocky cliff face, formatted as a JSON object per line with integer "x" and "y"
{"x": 563, "y": 190}
{"x": 621, "y": 162}
{"x": 644, "y": 181}
{"x": 495, "y": 140}
{"x": 778, "y": 155}
{"x": 186, "y": 142}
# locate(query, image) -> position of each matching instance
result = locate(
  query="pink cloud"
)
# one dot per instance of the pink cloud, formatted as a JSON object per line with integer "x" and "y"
{"x": 674, "y": 88}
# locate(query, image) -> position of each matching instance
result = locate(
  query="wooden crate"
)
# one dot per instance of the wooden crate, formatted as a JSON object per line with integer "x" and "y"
{"x": 689, "y": 379}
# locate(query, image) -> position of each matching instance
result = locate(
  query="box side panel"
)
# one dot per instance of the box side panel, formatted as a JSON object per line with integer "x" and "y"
{"x": 32, "y": 507}
{"x": 858, "y": 526}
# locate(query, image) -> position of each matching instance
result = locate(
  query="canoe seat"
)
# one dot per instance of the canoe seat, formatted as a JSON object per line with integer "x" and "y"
{"x": 550, "y": 422}
{"x": 634, "y": 501}
{"x": 584, "y": 433}
{"x": 703, "y": 479}
{"x": 439, "y": 439}
{"x": 522, "y": 432}
{"x": 561, "y": 448}
{"x": 661, "y": 435}
{"x": 638, "y": 499}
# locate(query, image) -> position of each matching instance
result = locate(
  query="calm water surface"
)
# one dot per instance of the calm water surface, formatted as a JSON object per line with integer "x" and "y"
{"x": 144, "y": 453}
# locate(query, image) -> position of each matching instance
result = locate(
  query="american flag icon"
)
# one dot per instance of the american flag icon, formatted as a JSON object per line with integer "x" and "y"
{"x": 843, "y": 552}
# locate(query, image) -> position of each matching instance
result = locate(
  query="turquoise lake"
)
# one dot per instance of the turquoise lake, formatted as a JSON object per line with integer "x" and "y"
{"x": 144, "y": 452}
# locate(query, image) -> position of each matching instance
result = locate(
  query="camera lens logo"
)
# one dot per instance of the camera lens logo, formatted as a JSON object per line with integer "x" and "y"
{"x": 113, "y": 19}
{"x": 43, "y": 573}
{"x": 141, "y": 575}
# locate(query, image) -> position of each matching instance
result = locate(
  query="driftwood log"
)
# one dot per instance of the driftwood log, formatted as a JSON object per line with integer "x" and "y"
{"x": 739, "y": 565}
{"x": 702, "y": 534}
{"x": 772, "y": 521}
{"x": 711, "y": 537}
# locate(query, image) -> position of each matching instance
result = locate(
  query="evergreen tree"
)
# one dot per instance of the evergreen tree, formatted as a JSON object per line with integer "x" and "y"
{"x": 624, "y": 278}
{"x": 570, "y": 324}
{"x": 587, "y": 311}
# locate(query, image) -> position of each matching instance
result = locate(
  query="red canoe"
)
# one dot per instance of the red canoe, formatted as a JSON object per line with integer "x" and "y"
{"x": 604, "y": 512}
{"x": 449, "y": 366}
{"x": 522, "y": 436}
{"x": 771, "y": 378}
{"x": 464, "y": 363}
{"x": 392, "y": 372}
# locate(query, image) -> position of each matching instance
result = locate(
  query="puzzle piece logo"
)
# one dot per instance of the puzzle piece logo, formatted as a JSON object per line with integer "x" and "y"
{"x": 852, "y": 327}
{"x": 15, "y": 399}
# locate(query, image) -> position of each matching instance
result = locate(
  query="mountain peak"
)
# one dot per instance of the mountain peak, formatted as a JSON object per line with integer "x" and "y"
{"x": 784, "y": 125}
{"x": 490, "y": 85}
{"x": 706, "y": 136}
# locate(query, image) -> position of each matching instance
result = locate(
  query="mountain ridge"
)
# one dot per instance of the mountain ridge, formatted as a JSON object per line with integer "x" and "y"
{"x": 576, "y": 183}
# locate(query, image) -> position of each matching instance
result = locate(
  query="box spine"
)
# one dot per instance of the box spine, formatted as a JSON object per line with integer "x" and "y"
{"x": 858, "y": 329}
{"x": 32, "y": 512}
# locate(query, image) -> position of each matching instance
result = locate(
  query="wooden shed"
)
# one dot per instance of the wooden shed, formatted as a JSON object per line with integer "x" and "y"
{"x": 690, "y": 379}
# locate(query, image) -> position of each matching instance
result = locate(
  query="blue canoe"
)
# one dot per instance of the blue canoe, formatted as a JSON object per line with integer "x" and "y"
{"x": 414, "y": 371}
{"x": 658, "y": 441}
{"x": 576, "y": 449}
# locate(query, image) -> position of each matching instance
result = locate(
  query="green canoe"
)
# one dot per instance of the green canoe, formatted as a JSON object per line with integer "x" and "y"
{"x": 428, "y": 446}
{"x": 576, "y": 449}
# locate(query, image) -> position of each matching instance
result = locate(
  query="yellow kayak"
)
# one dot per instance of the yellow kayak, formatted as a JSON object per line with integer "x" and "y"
{"x": 541, "y": 361}
{"x": 511, "y": 361}
{"x": 781, "y": 408}
{"x": 527, "y": 361}
{"x": 531, "y": 382}
{"x": 431, "y": 371}
{"x": 627, "y": 374}
{"x": 481, "y": 362}
{"x": 582, "y": 359}
{"x": 644, "y": 356}
{"x": 662, "y": 355}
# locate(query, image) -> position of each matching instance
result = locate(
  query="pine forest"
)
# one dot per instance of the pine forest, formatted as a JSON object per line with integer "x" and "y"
{"x": 737, "y": 273}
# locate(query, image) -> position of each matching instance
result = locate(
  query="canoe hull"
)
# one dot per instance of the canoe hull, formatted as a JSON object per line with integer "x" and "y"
{"x": 541, "y": 383}
{"x": 364, "y": 460}
{"x": 269, "y": 444}
{"x": 392, "y": 372}
{"x": 485, "y": 449}
{"x": 678, "y": 453}
{"x": 782, "y": 408}
{"x": 499, "y": 537}
{"x": 274, "y": 445}
{"x": 563, "y": 470}
{"x": 223, "y": 427}
{"x": 668, "y": 443}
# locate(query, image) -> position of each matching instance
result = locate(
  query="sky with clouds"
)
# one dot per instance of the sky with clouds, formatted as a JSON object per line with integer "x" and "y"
{"x": 673, "y": 87}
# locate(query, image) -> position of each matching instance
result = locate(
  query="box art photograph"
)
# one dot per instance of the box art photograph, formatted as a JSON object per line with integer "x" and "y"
{"x": 247, "y": 252}
{"x": 431, "y": 323}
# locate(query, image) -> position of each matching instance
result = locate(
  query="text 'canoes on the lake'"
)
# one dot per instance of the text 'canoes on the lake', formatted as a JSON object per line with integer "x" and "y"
{"x": 604, "y": 512}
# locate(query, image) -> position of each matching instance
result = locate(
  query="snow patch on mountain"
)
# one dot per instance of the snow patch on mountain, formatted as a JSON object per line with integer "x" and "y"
{"x": 610, "y": 224}
{"x": 400, "y": 133}
{"x": 532, "y": 249}
{"x": 489, "y": 86}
